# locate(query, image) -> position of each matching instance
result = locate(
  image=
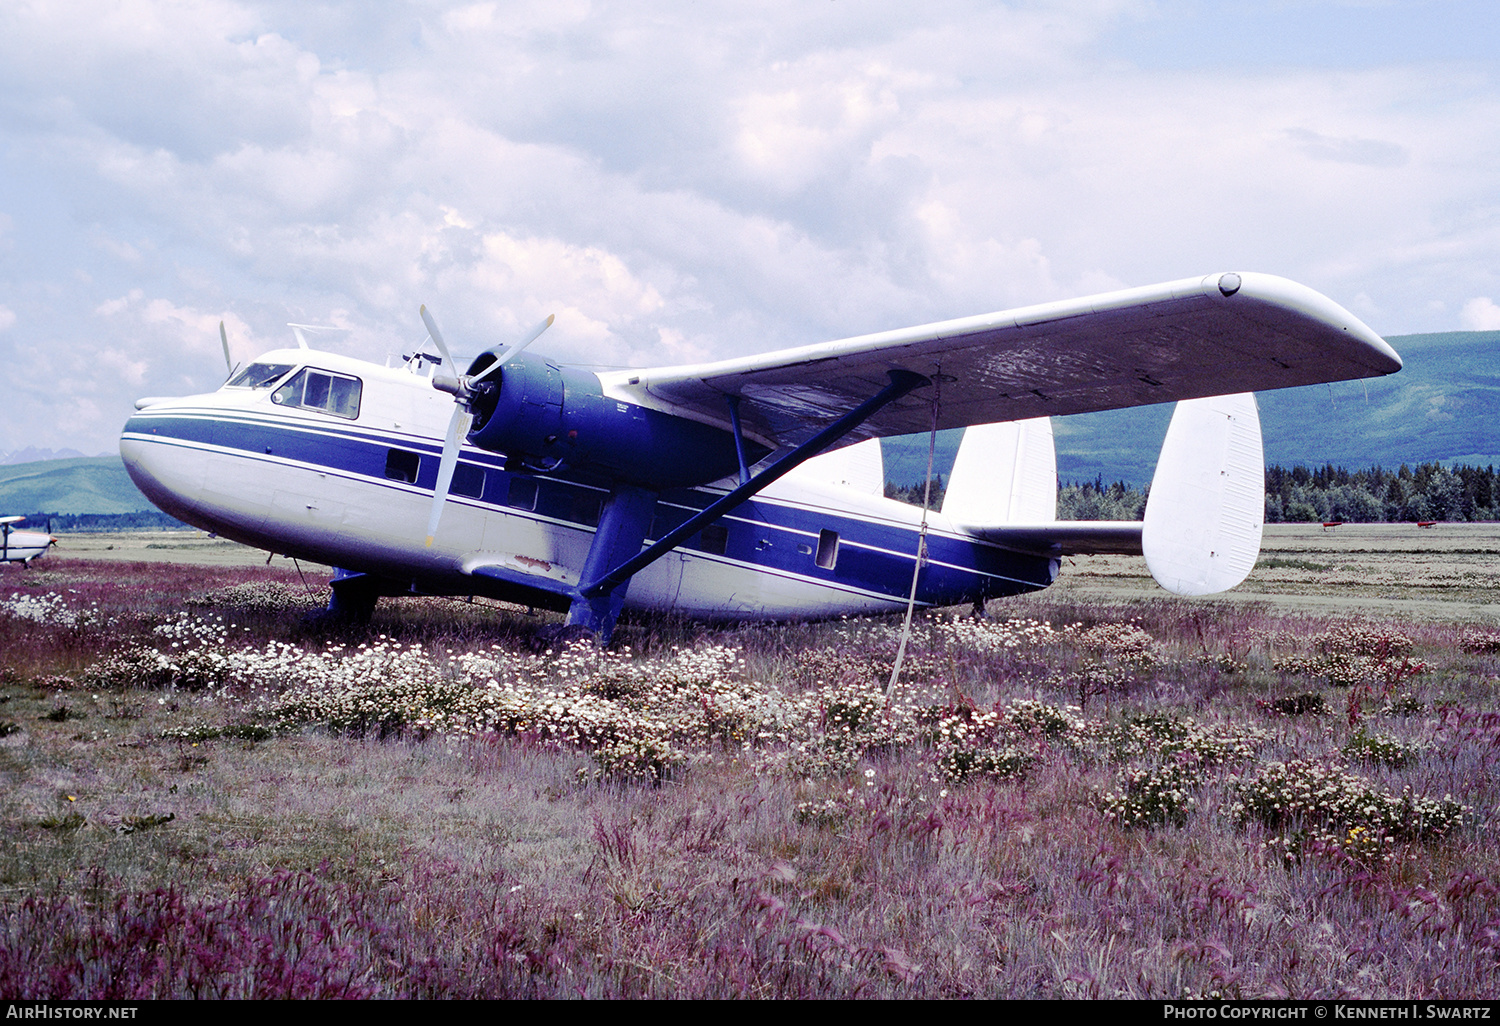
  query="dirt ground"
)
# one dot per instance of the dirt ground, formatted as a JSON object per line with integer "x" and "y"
{"x": 195, "y": 547}
{"x": 1446, "y": 572}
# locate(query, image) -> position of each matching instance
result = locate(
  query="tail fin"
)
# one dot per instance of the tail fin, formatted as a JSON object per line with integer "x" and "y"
{"x": 1207, "y": 503}
{"x": 1004, "y": 474}
{"x": 859, "y": 466}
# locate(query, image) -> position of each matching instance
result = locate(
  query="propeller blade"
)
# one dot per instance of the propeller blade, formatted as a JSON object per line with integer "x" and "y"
{"x": 458, "y": 427}
{"x": 437, "y": 337}
{"x": 224, "y": 340}
{"x": 536, "y": 333}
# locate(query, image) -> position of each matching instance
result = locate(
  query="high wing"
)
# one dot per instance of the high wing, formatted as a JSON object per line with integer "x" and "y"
{"x": 1217, "y": 334}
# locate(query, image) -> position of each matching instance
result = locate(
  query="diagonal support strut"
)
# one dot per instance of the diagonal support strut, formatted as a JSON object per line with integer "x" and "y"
{"x": 902, "y": 382}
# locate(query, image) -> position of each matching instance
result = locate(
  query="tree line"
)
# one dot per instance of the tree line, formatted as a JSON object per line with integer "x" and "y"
{"x": 1375, "y": 495}
{"x": 69, "y": 523}
{"x": 1429, "y": 491}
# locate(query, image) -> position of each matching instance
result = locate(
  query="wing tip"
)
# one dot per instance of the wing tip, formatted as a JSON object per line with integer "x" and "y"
{"x": 1289, "y": 296}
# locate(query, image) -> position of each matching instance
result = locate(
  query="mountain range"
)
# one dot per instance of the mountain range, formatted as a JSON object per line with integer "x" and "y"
{"x": 86, "y": 484}
{"x": 31, "y": 454}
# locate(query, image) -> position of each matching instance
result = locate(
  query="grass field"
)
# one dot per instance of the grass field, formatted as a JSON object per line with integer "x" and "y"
{"x": 1289, "y": 791}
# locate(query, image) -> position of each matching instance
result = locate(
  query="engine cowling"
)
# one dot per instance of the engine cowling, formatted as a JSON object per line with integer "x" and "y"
{"x": 552, "y": 416}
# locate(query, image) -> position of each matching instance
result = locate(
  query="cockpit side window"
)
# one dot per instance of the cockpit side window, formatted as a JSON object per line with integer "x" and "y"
{"x": 324, "y": 391}
{"x": 258, "y": 375}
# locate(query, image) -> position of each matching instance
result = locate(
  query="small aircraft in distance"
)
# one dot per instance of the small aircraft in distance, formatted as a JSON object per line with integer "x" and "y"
{"x": 18, "y": 546}
{"x": 750, "y": 488}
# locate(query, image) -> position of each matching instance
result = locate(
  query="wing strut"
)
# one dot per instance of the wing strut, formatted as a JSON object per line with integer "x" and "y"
{"x": 739, "y": 436}
{"x": 599, "y": 599}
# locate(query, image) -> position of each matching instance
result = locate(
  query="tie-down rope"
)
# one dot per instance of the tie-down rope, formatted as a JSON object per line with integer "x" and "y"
{"x": 916, "y": 570}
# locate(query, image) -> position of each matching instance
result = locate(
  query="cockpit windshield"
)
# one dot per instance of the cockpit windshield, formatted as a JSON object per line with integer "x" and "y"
{"x": 258, "y": 375}
{"x": 324, "y": 391}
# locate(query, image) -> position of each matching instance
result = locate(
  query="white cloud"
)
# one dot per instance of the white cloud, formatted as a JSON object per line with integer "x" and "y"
{"x": 592, "y": 291}
{"x": 798, "y": 135}
{"x": 131, "y": 371}
{"x": 155, "y": 338}
{"x": 1480, "y": 314}
{"x": 1372, "y": 152}
{"x": 111, "y": 307}
{"x": 7, "y": 317}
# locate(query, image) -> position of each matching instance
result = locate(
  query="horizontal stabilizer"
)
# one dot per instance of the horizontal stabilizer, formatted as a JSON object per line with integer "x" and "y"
{"x": 1003, "y": 489}
{"x": 1067, "y": 537}
{"x": 1207, "y": 503}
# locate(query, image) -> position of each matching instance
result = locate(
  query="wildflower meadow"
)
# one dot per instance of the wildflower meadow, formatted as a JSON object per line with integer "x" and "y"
{"x": 1073, "y": 797}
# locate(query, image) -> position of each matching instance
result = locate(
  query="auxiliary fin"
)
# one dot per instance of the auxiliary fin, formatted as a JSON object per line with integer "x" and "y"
{"x": 1004, "y": 474}
{"x": 860, "y": 466}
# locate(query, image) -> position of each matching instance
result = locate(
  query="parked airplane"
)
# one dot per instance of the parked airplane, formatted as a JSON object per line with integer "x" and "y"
{"x": 703, "y": 488}
{"x": 18, "y": 546}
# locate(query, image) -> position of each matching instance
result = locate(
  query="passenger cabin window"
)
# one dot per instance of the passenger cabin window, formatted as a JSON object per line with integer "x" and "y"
{"x": 324, "y": 391}
{"x": 258, "y": 375}
{"x": 401, "y": 465}
{"x": 586, "y": 509}
{"x": 468, "y": 481}
{"x": 522, "y": 493}
{"x": 828, "y": 549}
{"x": 714, "y": 539}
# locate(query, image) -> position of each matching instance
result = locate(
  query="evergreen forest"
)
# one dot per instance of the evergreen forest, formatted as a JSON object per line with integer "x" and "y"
{"x": 1375, "y": 495}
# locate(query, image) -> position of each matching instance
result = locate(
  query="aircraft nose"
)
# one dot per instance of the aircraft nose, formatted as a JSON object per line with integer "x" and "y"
{"x": 167, "y": 471}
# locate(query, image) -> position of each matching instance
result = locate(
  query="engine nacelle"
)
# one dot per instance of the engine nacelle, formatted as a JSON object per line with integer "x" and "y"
{"x": 551, "y": 416}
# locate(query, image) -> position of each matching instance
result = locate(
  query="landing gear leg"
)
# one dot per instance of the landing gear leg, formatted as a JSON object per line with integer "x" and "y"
{"x": 622, "y": 527}
{"x": 351, "y": 599}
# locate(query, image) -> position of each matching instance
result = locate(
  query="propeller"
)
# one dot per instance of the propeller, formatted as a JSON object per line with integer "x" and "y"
{"x": 462, "y": 388}
{"x": 228, "y": 361}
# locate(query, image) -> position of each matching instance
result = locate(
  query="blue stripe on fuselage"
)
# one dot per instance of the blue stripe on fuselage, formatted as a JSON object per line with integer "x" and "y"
{"x": 873, "y": 555}
{"x": 769, "y": 534}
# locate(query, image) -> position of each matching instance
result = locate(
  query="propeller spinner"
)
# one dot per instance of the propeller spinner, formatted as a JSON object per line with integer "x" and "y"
{"x": 462, "y": 388}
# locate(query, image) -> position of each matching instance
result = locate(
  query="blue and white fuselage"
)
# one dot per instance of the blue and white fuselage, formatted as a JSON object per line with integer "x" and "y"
{"x": 351, "y": 486}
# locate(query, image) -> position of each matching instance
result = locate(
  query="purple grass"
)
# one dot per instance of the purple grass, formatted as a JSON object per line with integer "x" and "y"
{"x": 494, "y": 825}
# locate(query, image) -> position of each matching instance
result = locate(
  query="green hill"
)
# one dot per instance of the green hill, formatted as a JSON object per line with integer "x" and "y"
{"x": 1442, "y": 407}
{"x": 90, "y": 485}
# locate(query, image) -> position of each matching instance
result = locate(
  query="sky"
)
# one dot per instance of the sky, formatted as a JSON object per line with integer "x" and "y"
{"x": 680, "y": 180}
